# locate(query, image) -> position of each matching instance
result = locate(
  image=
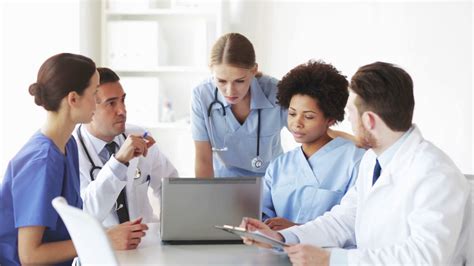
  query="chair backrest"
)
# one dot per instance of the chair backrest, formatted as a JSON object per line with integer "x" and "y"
{"x": 87, "y": 234}
{"x": 470, "y": 178}
{"x": 470, "y": 254}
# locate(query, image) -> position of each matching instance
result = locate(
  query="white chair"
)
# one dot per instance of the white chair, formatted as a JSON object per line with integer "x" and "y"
{"x": 470, "y": 258}
{"x": 87, "y": 234}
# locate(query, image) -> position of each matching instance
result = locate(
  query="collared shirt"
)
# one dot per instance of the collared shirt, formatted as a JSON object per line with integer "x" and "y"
{"x": 386, "y": 156}
{"x": 119, "y": 169}
{"x": 239, "y": 139}
{"x": 143, "y": 173}
{"x": 99, "y": 144}
{"x": 301, "y": 189}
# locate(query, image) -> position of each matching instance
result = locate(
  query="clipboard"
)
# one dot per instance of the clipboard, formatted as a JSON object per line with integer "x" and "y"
{"x": 253, "y": 235}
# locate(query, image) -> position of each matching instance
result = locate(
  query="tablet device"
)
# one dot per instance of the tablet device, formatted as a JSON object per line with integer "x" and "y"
{"x": 253, "y": 235}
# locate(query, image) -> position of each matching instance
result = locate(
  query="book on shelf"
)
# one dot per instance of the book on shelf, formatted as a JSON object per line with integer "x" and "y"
{"x": 132, "y": 44}
{"x": 128, "y": 5}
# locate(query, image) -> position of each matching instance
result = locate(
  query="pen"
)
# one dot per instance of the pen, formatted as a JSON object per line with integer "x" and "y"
{"x": 145, "y": 134}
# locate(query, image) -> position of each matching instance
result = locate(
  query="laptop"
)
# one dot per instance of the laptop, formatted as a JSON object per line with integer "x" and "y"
{"x": 191, "y": 207}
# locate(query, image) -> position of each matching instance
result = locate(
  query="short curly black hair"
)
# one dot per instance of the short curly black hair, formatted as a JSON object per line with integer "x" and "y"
{"x": 319, "y": 80}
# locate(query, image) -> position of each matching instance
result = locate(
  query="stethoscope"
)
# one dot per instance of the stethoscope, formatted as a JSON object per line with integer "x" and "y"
{"x": 94, "y": 167}
{"x": 256, "y": 162}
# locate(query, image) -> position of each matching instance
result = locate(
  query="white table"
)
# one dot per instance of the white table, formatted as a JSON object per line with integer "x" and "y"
{"x": 152, "y": 251}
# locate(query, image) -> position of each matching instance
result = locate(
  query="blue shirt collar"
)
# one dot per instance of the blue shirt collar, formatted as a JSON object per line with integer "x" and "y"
{"x": 258, "y": 100}
{"x": 97, "y": 143}
{"x": 387, "y": 156}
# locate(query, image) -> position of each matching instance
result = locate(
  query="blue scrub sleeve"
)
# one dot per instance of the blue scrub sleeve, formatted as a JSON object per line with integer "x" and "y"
{"x": 198, "y": 113}
{"x": 268, "y": 209}
{"x": 33, "y": 190}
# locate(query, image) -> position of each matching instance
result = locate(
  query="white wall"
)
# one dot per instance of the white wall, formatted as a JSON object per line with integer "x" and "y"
{"x": 31, "y": 32}
{"x": 90, "y": 29}
{"x": 431, "y": 40}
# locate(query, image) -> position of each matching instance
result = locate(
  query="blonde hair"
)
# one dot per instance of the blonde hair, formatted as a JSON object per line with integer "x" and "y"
{"x": 233, "y": 49}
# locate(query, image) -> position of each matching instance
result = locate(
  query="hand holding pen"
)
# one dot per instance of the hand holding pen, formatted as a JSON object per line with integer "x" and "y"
{"x": 134, "y": 146}
{"x": 148, "y": 139}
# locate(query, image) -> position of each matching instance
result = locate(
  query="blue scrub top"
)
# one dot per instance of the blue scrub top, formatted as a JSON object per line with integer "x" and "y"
{"x": 240, "y": 140}
{"x": 34, "y": 177}
{"x": 301, "y": 189}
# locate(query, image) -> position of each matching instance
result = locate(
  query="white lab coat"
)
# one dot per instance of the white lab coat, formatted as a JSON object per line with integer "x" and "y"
{"x": 99, "y": 196}
{"x": 418, "y": 212}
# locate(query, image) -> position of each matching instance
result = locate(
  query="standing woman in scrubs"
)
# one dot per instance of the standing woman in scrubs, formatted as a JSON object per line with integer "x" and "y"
{"x": 235, "y": 119}
{"x": 47, "y": 166}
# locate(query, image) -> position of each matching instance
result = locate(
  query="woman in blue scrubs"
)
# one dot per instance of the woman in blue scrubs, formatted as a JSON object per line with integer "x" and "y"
{"x": 302, "y": 184}
{"x": 31, "y": 232}
{"x": 235, "y": 119}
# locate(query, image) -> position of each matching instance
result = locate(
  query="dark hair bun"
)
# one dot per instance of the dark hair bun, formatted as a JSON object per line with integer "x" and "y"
{"x": 36, "y": 90}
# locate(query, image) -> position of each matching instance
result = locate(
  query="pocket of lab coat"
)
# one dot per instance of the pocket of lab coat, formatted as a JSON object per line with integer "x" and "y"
{"x": 141, "y": 193}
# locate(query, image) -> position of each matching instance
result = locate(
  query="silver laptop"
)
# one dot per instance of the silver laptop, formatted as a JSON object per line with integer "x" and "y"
{"x": 190, "y": 208}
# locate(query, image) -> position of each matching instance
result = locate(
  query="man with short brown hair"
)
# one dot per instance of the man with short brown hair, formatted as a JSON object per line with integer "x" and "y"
{"x": 118, "y": 162}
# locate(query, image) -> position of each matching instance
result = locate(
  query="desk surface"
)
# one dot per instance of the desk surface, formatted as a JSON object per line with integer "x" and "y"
{"x": 151, "y": 251}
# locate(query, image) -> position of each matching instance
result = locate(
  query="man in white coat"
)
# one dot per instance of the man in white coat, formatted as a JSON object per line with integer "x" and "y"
{"x": 410, "y": 203}
{"x": 118, "y": 162}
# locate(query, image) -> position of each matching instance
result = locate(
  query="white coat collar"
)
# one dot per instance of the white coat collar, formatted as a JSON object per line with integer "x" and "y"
{"x": 97, "y": 143}
{"x": 400, "y": 160}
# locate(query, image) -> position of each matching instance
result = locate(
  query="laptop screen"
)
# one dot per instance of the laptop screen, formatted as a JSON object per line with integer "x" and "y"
{"x": 190, "y": 207}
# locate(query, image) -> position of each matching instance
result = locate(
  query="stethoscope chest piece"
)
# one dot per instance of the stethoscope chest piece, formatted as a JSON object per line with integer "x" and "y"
{"x": 138, "y": 173}
{"x": 257, "y": 162}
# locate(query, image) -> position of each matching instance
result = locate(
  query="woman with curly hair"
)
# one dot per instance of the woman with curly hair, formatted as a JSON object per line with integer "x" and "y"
{"x": 307, "y": 181}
